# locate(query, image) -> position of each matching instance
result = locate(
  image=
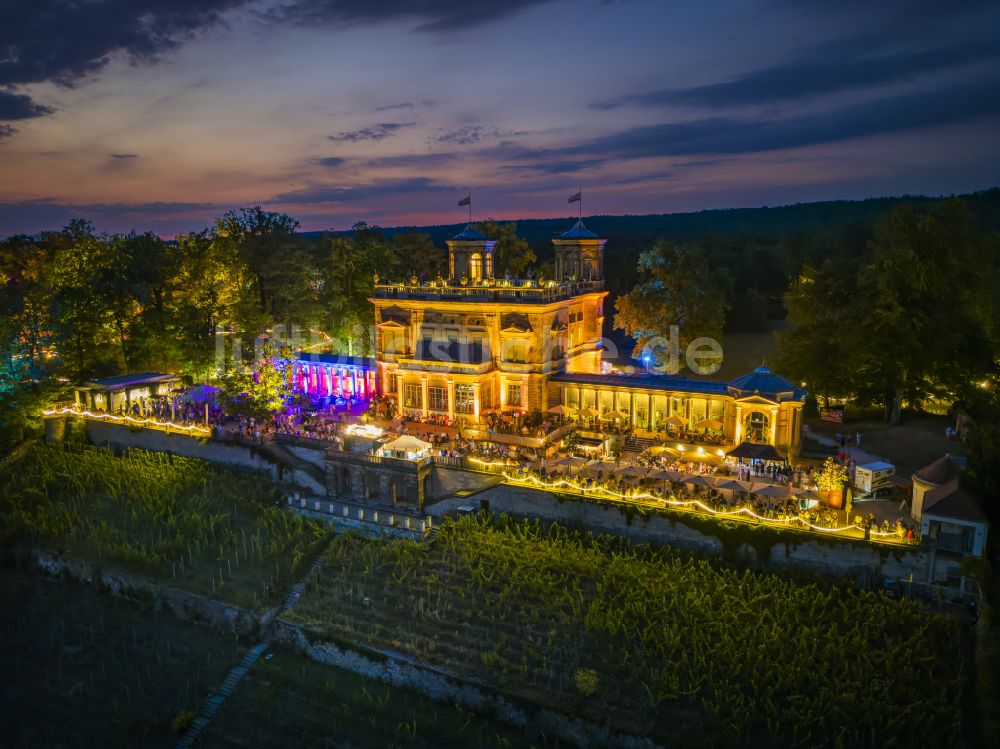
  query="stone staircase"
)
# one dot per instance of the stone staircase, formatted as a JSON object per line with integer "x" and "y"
{"x": 288, "y": 459}
{"x": 236, "y": 674}
{"x": 637, "y": 444}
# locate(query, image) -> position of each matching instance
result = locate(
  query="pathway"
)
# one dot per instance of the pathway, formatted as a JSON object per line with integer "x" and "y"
{"x": 233, "y": 678}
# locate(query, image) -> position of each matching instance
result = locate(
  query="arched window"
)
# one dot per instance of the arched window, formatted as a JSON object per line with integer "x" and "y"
{"x": 757, "y": 428}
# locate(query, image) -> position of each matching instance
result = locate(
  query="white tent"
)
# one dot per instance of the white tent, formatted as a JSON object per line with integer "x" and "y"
{"x": 407, "y": 444}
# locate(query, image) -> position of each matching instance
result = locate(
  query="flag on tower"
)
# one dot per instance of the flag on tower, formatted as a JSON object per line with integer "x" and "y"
{"x": 467, "y": 200}
{"x": 576, "y": 198}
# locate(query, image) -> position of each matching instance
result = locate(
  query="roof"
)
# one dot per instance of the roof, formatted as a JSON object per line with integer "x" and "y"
{"x": 648, "y": 382}
{"x": 124, "y": 381}
{"x": 878, "y": 465}
{"x": 941, "y": 471}
{"x": 763, "y": 380}
{"x": 470, "y": 234}
{"x": 340, "y": 360}
{"x": 754, "y": 451}
{"x": 950, "y": 501}
{"x": 578, "y": 231}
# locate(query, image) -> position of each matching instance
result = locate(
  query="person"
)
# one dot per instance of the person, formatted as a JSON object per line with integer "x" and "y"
{"x": 949, "y": 432}
{"x": 857, "y": 439}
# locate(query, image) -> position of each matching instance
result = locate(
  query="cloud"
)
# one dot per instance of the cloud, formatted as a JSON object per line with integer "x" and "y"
{"x": 423, "y": 160}
{"x": 6, "y": 131}
{"x": 331, "y": 161}
{"x": 355, "y": 193}
{"x": 826, "y": 71}
{"x": 557, "y": 167}
{"x": 66, "y": 40}
{"x": 465, "y": 136}
{"x": 14, "y": 106}
{"x": 429, "y": 15}
{"x": 123, "y": 156}
{"x": 375, "y": 132}
{"x": 390, "y": 107}
{"x": 727, "y": 135}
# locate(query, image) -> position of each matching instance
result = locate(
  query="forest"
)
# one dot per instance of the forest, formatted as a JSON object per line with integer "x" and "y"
{"x": 890, "y": 302}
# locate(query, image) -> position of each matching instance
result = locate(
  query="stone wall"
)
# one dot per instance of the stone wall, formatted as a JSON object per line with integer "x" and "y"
{"x": 184, "y": 605}
{"x": 383, "y": 481}
{"x": 118, "y": 436}
{"x": 446, "y": 482}
{"x": 308, "y": 454}
{"x": 864, "y": 562}
{"x": 445, "y": 686}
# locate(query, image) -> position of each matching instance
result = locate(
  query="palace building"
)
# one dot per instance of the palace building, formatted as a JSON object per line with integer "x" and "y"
{"x": 474, "y": 344}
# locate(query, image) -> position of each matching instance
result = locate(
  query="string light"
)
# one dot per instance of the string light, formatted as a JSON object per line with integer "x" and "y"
{"x": 744, "y": 511}
{"x": 192, "y": 428}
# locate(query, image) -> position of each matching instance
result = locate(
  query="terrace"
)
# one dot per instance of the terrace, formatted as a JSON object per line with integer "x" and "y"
{"x": 488, "y": 290}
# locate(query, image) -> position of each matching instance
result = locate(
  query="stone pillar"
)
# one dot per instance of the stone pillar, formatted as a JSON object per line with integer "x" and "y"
{"x": 738, "y": 433}
{"x": 55, "y": 428}
{"x": 774, "y": 425}
{"x": 424, "y": 395}
{"x": 475, "y": 401}
{"x": 451, "y": 399}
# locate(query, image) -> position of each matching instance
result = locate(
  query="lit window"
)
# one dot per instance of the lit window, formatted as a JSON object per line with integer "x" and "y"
{"x": 437, "y": 398}
{"x": 464, "y": 399}
{"x": 514, "y": 395}
{"x": 411, "y": 396}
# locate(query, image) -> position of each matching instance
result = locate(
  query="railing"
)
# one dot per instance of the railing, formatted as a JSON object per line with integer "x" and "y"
{"x": 478, "y": 433}
{"x": 298, "y": 440}
{"x": 500, "y": 291}
{"x": 142, "y": 422}
{"x": 390, "y": 517}
{"x": 381, "y": 459}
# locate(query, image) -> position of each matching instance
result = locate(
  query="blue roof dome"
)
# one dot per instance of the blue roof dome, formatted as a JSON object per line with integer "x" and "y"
{"x": 578, "y": 231}
{"x": 470, "y": 234}
{"x": 762, "y": 380}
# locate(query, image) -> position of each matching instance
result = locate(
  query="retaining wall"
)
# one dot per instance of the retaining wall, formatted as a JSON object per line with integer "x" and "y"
{"x": 119, "y": 436}
{"x": 444, "y": 686}
{"x": 865, "y": 562}
{"x": 184, "y": 605}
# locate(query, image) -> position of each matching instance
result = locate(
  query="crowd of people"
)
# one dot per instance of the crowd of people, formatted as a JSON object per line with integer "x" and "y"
{"x": 444, "y": 435}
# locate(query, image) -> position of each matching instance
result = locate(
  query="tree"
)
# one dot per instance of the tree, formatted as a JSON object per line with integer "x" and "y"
{"x": 832, "y": 477}
{"x": 206, "y": 299}
{"x": 680, "y": 289}
{"x": 511, "y": 254}
{"x": 261, "y": 390}
{"x": 349, "y": 265}
{"x": 923, "y": 304}
{"x": 26, "y": 295}
{"x": 272, "y": 267}
{"x": 819, "y": 348}
{"x": 417, "y": 252}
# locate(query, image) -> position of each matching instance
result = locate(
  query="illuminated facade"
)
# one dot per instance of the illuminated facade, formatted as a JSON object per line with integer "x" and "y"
{"x": 472, "y": 344}
{"x": 334, "y": 376}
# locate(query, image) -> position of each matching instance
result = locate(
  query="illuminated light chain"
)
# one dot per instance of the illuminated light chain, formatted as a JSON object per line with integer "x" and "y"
{"x": 140, "y": 422}
{"x": 687, "y": 503}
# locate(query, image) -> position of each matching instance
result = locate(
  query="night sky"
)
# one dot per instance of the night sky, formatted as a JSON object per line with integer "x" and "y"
{"x": 162, "y": 114}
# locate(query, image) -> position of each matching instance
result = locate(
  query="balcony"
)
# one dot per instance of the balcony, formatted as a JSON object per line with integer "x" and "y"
{"x": 498, "y": 291}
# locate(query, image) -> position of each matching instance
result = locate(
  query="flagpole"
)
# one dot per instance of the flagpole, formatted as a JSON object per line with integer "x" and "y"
{"x": 470, "y": 207}
{"x": 580, "y": 201}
